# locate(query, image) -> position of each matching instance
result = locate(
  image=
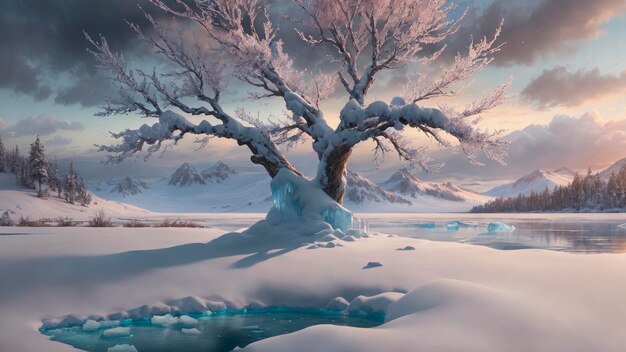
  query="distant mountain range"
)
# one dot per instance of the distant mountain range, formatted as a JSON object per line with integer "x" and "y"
{"x": 536, "y": 181}
{"x": 222, "y": 188}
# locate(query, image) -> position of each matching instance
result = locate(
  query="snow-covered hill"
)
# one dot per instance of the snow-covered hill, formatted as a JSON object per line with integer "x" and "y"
{"x": 186, "y": 175}
{"x": 618, "y": 165}
{"x": 19, "y": 201}
{"x": 536, "y": 181}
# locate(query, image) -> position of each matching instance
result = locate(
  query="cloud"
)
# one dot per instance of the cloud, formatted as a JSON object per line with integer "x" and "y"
{"x": 537, "y": 28}
{"x": 574, "y": 142}
{"x": 58, "y": 141}
{"x": 42, "y": 42}
{"x": 42, "y": 125}
{"x": 558, "y": 86}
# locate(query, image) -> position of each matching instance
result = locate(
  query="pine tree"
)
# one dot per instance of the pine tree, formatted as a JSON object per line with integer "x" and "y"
{"x": 15, "y": 161}
{"x": 83, "y": 196}
{"x": 71, "y": 185}
{"x": 2, "y": 156}
{"x": 38, "y": 164}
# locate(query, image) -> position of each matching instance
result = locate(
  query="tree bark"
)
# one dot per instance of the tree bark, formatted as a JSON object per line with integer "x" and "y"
{"x": 332, "y": 179}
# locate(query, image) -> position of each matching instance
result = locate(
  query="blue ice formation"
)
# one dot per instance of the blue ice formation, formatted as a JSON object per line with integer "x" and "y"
{"x": 296, "y": 197}
{"x": 427, "y": 225}
{"x": 499, "y": 226}
{"x": 338, "y": 218}
{"x": 285, "y": 199}
{"x": 452, "y": 226}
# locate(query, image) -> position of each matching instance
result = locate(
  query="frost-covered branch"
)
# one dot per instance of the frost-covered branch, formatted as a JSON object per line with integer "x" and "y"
{"x": 243, "y": 30}
{"x": 478, "y": 56}
{"x": 173, "y": 127}
{"x": 392, "y": 32}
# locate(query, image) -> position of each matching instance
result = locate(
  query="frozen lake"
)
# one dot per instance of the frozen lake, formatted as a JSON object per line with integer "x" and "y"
{"x": 583, "y": 233}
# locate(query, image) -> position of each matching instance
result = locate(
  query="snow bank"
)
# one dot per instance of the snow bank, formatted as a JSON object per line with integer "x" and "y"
{"x": 460, "y": 297}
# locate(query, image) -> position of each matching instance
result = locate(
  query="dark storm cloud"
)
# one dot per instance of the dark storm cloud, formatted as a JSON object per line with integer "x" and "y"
{"x": 537, "y": 28}
{"x": 42, "y": 41}
{"x": 41, "y": 125}
{"x": 558, "y": 86}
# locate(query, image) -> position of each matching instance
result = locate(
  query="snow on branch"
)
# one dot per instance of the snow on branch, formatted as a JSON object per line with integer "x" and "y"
{"x": 377, "y": 120}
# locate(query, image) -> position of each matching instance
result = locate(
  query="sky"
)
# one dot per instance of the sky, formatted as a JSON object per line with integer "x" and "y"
{"x": 567, "y": 104}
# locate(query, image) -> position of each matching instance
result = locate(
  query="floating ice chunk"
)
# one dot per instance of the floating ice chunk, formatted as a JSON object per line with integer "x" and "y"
{"x": 330, "y": 245}
{"x": 250, "y": 327}
{"x": 349, "y": 239}
{"x": 116, "y": 332}
{"x": 337, "y": 304}
{"x": 407, "y": 248}
{"x": 468, "y": 223}
{"x": 622, "y": 226}
{"x": 372, "y": 265}
{"x": 452, "y": 226}
{"x": 91, "y": 325}
{"x": 499, "y": 226}
{"x": 164, "y": 320}
{"x": 187, "y": 320}
{"x": 427, "y": 225}
{"x": 122, "y": 348}
{"x": 192, "y": 331}
{"x": 109, "y": 323}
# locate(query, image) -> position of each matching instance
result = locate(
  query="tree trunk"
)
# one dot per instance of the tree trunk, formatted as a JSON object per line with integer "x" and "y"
{"x": 332, "y": 175}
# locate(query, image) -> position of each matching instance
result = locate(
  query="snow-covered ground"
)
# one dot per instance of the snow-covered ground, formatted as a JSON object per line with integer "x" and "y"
{"x": 459, "y": 297}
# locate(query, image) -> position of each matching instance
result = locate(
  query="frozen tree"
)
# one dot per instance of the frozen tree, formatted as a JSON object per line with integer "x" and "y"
{"x": 70, "y": 189}
{"x": 14, "y": 161}
{"x": 82, "y": 194}
{"x": 238, "y": 40}
{"x": 38, "y": 164}
{"x": 2, "y": 156}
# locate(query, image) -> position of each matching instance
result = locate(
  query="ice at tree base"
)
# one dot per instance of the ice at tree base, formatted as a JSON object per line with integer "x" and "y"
{"x": 296, "y": 197}
{"x": 499, "y": 226}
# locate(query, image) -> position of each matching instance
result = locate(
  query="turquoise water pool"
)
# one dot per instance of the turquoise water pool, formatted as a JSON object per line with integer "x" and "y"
{"x": 223, "y": 331}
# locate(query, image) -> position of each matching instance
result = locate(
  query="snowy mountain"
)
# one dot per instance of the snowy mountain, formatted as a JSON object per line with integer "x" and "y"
{"x": 360, "y": 190}
{"x": 220, "y": 188}
{"x": 129, "y": 186}
{"x": 405, "y": 183}
{"x": 186, "y": 175}
{"x": 606, "y": 173}
{"x": 217, "y": 173}
{"x": 536, "y": 181}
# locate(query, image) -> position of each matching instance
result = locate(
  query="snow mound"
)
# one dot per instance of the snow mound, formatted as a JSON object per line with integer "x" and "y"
{"x": 377, "y": 304}
{"x": 186, "y": 175}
